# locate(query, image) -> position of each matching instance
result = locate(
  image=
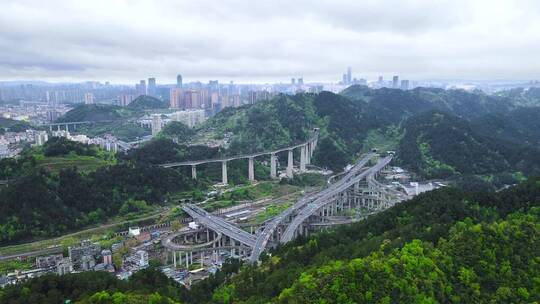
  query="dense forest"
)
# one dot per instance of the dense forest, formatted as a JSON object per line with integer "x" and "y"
{"x": 444, "y": 246}
{"x": 40, "y": 203}
{"x": 438, "y": 133}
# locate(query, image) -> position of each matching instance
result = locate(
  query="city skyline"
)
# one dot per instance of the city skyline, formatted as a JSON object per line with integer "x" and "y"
{"x": 268, "y": 42}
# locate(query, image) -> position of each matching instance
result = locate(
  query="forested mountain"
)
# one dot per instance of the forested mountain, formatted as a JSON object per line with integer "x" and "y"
{"x": 520, "y": 126}
{"x": 444, "y": 246}
{"x": 440, "y": 133}
{"x": 448, "y": 134}
{"x": 42, "y": 203}
{"x": 438, "y": 144}
{"x": 92, "y": 112}
{"x": 146, "y": 102}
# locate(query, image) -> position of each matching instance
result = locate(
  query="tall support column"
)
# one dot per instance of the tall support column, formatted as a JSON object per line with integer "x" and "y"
{"x": 174, "y": 258}
{"x": 290, "y": 164}
{"x": 224, "y": 172}
{"x": 303, "y": 158}
{"x": 251, "y": 170}
{"x": 273, "y": 165}
{"x": 202, "y": 258}
{"x": 50, "y": 129}
{"x": 187, "y": 260}
{"x": 308, "y": 153}
{"x": 180, "y": 258}
{"x": 194, "y": 172}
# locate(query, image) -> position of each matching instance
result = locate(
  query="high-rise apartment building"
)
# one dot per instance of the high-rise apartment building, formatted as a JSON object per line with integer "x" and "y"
{"x": 125, "y": 99}
{"x": 176, "y": 98}
{"x": 88, "y": 98}
{"x": 404, "y": 84}
{"x": 142, "y": 88}
{"x": 179, "y": 81}
{"x": 349, "y": 75}
{"x": 156, "y": 124}
{"x": 395, "y": 82}
{"x": 152, "y": 87}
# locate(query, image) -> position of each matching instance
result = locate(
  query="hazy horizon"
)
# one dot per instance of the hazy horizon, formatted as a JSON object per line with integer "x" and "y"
{"x": 124, "y": 41}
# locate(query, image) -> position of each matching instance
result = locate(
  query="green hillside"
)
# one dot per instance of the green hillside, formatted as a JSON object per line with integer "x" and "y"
{"x": 145, "y": 102}
{"x": 361, "y": 118}
{"x": 94, "y": 112}
{"x": 521, "y": 126}
{"x": 445, "y": 246}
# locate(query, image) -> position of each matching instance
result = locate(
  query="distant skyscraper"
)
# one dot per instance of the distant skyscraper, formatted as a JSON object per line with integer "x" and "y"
{"x": 293, "y": 81}
{"x": 152, "y": 87}
{"x": 349, "y": 75}
{"x": 142, "y": 88}
{"x": 124, "y": 99}
{"x": 301, "y": 81}
{"x": 88, "y": 98}
{"x": 395, "y": 81}
{"x": 179, "y": 81}
{"x": 176, "y": 98}
{"x": 404, "y": 84}
{"x": 380, "y": 81}
{"x": 344, "y": 81}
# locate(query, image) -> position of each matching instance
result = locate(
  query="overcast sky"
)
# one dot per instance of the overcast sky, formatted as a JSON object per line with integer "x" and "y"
{"x": 259, "y": 41}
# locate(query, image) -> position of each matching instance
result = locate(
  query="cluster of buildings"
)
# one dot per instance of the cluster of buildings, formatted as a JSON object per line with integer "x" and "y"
{"x": 87, "y": 256}
{"x": 35, "y": 112}
{"x": 107, "y": 142}
{"x": 11, "y": 143}
{"x": 190, "y": 118}
{"x": 348, "y": 80}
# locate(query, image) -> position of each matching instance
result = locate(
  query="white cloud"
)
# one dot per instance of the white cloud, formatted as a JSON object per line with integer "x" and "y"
{"x": 268, "y": 40}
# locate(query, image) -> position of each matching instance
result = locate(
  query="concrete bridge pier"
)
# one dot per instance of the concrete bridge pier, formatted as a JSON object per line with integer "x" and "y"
{"x": 251, "y": 170}
{"x": 303, "y": 158}
{"x": 273, "y": 165}
{"x": 194, "y": 172}
{"x": 290, "y": 164}
{"x": 224, "y": 172}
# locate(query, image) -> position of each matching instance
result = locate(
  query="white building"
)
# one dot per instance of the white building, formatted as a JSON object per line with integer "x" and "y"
{"x": 142, "y": 258}
{"x": 156, "y": 124}
{"x": 88, "y": 98}
{"x": 189, "y": 117}
{"x": 41, "y": 137}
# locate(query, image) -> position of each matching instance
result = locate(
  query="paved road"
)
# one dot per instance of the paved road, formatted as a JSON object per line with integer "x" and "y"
{"x": 271, "y": 226}
{"x": 328, "y": 197}
{"x": 219, "y": 225}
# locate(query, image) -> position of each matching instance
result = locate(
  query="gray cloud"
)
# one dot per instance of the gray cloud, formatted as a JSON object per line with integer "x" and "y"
{"x": 126, "y": 40}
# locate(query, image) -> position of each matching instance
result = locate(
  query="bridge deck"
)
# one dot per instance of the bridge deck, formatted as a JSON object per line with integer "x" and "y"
{"x": 219, "y": 225}
{"x": 269, "y": 229}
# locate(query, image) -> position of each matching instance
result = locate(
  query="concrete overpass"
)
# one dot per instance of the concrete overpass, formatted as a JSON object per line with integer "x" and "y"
{"x": 273, "y": 225}
{"x": 306, "y": 153}
{"x": 358, "y": 188}
{"x": 219, "y": 225}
